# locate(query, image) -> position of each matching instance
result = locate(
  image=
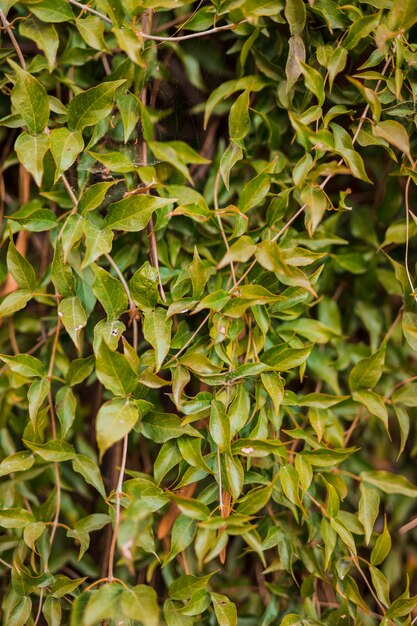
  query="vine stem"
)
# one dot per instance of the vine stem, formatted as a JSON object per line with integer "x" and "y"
{"x": 8, "y": 29}
{"x": 203, "y": 33}
{"x": 190, "y": 340}
{"x": 119, "y": 491}
{"x": 146, "y": 35}
{"x": 133, "y": 310}
{"x": 86, "y": 8}
{"x": 143, "y": 158}
{"x": 219, "y": 220}
{"x": 53, "y": 424}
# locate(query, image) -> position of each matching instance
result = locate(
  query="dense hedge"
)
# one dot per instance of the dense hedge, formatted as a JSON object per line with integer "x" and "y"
{"x": 208, "y": 316}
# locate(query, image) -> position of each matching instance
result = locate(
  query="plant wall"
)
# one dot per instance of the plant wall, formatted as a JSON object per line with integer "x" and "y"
{"x": 208, "y": 325}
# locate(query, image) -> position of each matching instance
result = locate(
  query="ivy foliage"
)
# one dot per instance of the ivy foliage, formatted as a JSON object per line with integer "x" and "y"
{"x": 208, "y": 312}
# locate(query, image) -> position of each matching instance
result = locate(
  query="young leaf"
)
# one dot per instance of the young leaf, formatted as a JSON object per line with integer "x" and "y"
{"x": 91, "y": 106}
{"x": 30, "y": 100}
{"x": 133, "y": 213}
{"x": 157, "y": 331}
{"x": 65, "y": 147}
{"x": 115, "y": 419}
{"x": 20, "y": 268}
{"x": 31, "y": 150}
{"x": 110, "y": 292}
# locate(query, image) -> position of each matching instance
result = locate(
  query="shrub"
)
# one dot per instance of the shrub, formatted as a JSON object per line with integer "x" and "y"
{"x": 208, "y": 323}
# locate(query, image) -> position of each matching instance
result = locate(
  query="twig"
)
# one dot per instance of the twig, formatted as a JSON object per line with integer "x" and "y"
{"x": 190, "y": 340}
{"x": 143, "y": 158}
{"x": 219, "y": 220}
{"x": 203, "y": 33}
{"x": 53, "y": 424}
{"x": 407, "y": 239}
{"x": 70, "y": 193}
{"x": 119, "y": 491}
{"x": 133, "y": 310}
{"x": 407, "y": 527}
{"x": 13, "y": 39}
{"x": 38, "y": 614}
{"x": 87, "y": 8}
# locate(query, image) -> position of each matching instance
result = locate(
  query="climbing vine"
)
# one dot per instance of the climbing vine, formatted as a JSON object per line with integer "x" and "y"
{"x": 208, "y": 324}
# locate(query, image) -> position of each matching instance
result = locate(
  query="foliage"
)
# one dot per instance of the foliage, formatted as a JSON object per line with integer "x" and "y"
{"x": 208, "y": 315}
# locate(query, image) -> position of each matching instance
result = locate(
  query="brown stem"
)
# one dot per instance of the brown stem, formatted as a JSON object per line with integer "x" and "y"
{"x": 8, "y": 29}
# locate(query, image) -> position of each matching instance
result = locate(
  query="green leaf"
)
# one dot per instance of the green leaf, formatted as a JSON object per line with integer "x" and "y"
{"x": 402, "y": 15}
{"x": 368, "y": 508}
{"x": 37, "y": 393}
{"x": 141, "y": 603}
{"x": 184, "y": 586}
{"x": 374, "y": 403}
{"x": 295, "y": 14}
{"x": 110, "y": 292}
{"x": 24, "y": 364}
{"x": 61, "y": 273}
{"x": 34, "y": 219}
{"x": 337, "y": 63}
{"x": 313, "y": 81}
{"x": 53, "y": 451}
{"x": 15, "y": 518}
{"x": 390, "y": 483}
{"x": 230, "y": 157}
{"x": 344, "y": 534}
{"x": 98, "y": 241}
{"x": 381, "y": 585}
{"x": 296, "y": 56}
{"x": 79, "y": 370}
{"x": 65, "y": 147}
{"x": 239, "y": 121}
{"x": 133, "y": 213}
{"x": 90, "y": 472}
{"x": 283, "y": 358}
{"x": 394, "y": 133}
{"x": 17, "y": 462}
{"x": 20, "y": 268}
{"x": 198, "y": 275}
{"x": 93, "y": 197}
{"x": 409, "y": 326}
{"x": 144, "y": 287}
{"x": 91, "y": 29}
{"x": 66, "y": 405}
{"x": 367, "y": 372}
{"x": 161, "y": 427}
{"x": 219, "y": 425}
{"x": 129, "y": 108}
{"x": 91, "y": 106}
{"x": 157, "y": 331}
{"x": 20, "y": 614}
{"x": 52, "y": 10}
{"x": 15, "y": 301}
{"x": 31, "y": 150}
{"x": 224, "y": 609}
{"x": 30, "y": 100}
{"x": 382, "y": 547}
{"x": 45, "y": 37}
{"x": 103, "y": 604}
{"x": 254, "y": 192}
{"x": 360, "y": 29}
{"x": 71, "y": 233}
{"x": 115, "y": 372}
{"x": 115, "y": 419}
{"x": 183, "y": 532}
{"x": 73, "y": 317}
